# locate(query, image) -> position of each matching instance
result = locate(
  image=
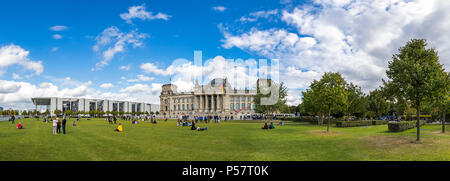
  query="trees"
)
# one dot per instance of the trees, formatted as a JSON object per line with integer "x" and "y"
{"x": 57, "y": 112}
{"x": 47, "y": 112}
{"x": 377, "y": 103}
{"x": 441, "y": 95}
{"x": 67, "y": 112}
{"x": 356, "y": 100}
{"x": 311, "y": 102}
{"x": 266, "y": 89}
{"x": 414, "y": 74}
{"x": 328, "y": 95}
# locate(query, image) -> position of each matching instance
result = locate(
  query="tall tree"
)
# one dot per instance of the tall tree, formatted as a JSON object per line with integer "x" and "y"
{"x": 356, "y": 100}
{"x": 330, "y": 92}
{"x": 413, "y": 73}
{"x": 441, "y": 96}
{"x": 311, "y": 102}
{"x": 267, "y": 89}
{"x": 377, "y": 103}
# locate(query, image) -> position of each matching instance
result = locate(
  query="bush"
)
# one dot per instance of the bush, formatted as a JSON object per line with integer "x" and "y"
{"x": 379, "y": 122}
{"x": 402, "y": 126}
{"x": 353, "y": 123}
{"x": 308, "y": 120}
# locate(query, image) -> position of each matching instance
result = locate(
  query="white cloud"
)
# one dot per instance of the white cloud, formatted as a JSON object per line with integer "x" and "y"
{"x": 57, "y": 36}
{"x": 252, "y": 17}
{"x": 58, "y": 28}
{"x": 151, "y": 68}
{"x": 115, "y": 42}
{"x": 13, "y": 54}
{"x": 107, "y": 86}
{"x": 354, "y": 37}
{"x": 219, "y": 8}
{"x": 139, "y": 12}
{"x": 125, "y": 67}
{"x": 145, "y": 78}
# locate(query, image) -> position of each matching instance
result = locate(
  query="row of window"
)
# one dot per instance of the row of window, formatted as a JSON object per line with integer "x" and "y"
{"x": 233, "y": 107}
{"x": 183, "y": 108}
{"x": 241, "y": 106}
{"x": 187, "y": 100}
{"x": 240, "y": 98}
{"x": 182, "y": 100}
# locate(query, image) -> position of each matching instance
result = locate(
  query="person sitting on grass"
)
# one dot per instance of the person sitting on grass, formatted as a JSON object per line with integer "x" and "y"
{"x": 271, "y": 126}
{"x": 154, "y": 121}
{"x": 73, "y": 124}
{"x": 201, "y": 129}
{"x": 119, "y": 128}
{"x": 265, "y": 126}
{"x": 19, "y": 126}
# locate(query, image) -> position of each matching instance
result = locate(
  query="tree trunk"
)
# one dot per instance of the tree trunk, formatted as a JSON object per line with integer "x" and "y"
{"x": 443, "y": 122}
{"x": 321, "y": 119}
{"x": 328, "y": 125}
{"x": 418, "y": 121}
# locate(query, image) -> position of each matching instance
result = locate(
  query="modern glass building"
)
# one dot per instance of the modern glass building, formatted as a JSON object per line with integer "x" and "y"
{"x": 86, "y": 105}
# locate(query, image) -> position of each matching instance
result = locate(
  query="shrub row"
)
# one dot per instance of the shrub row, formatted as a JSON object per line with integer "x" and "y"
{"x": 308, "y": 120}
{"x": 379, "y": 122}
{"x": 360, "y": 123}
{"x": 402, "y": 126}
{"x": 353, "y": 123}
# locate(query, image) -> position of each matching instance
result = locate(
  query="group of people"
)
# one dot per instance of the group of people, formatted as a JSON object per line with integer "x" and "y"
{"x": 271, "y": 126}
{"x": 57, "y": 125}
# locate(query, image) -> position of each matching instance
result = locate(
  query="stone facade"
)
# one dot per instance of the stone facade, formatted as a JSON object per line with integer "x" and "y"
{"x": 215, "y": 99}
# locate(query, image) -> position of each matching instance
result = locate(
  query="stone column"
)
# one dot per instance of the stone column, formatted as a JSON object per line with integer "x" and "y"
{"x": 221, "y": 103}
{"x": 206, "y": 103}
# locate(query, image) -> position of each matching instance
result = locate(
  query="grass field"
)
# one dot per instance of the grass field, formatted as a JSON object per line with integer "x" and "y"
{"x": 229, "y": 141}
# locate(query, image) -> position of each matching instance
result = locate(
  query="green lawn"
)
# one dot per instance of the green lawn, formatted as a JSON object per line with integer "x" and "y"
{"x": 230, "y": 141}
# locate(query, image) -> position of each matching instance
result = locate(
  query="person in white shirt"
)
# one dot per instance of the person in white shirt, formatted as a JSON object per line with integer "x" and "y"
{"x": 55, "y": 124}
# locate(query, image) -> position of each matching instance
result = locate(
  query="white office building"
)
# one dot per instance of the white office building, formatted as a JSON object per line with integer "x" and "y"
{"x": 86, "y": 105}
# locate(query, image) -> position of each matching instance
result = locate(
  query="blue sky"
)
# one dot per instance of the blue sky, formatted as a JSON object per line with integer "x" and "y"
{"x": 126, "y": 49}
{"x": 193, "y": 26}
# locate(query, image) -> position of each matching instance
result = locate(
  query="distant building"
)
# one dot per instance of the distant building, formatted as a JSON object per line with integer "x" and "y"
{"x": 215, "y": 99}
{"x": 86, "y": 105}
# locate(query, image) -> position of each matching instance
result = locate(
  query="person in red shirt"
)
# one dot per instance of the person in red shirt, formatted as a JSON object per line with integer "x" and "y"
{"x": 19, "y": 126}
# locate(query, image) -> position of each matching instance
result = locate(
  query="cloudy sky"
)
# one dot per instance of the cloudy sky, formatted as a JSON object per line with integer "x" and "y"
{"x": 125, "y": 50}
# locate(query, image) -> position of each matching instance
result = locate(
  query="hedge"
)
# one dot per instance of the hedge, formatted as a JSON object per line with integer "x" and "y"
{"x": 308, "y": 120}
{"x": 402, "y": 126}
{"x": 353, "y": 123}
{"x": 379, "y": 122}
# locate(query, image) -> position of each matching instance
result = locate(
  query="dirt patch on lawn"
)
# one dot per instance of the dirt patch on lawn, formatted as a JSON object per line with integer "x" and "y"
{"x": 388, "y": 141}
{"x": 324, "y": 133}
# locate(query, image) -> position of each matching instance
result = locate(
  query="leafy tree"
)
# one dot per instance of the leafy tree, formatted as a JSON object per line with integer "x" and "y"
{"x": 68, "y": 112}
{"x": 310, "y": 102}
{"x": 377, "y": 103}
{"x": 356, "y": 100}
{"x": 414, "y": 73}
{"x": 441, "y": 96}
{"x": 157, "y": 112}
{"x": 329, "y": 95}
{"x": 47, "y": 112}
{"x": 268, "y": 89}
{"x": 101, "y": 113}
{"x": 24, "y": 112}
{"x": 57, "y": 112}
